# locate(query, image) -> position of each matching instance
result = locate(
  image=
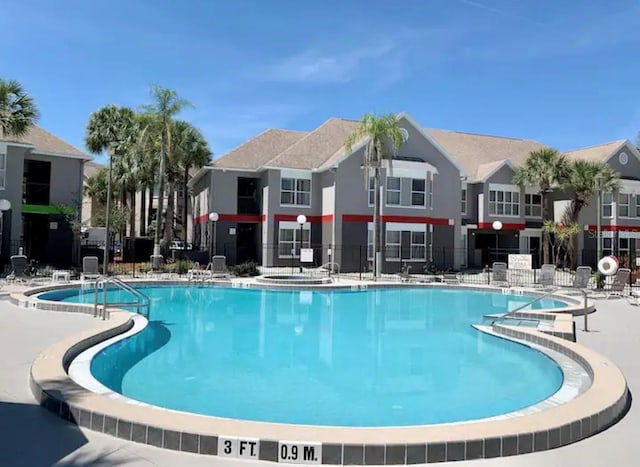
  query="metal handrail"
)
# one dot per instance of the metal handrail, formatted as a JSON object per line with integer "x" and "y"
{"x": 550, "y": 293}
{"x": 329, "y": 267}
{"x": 143, "y": 302}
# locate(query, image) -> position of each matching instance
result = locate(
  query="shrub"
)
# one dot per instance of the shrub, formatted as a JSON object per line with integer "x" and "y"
{"x": 144, "y": 268}
{"x": 179, "y": 267}
{"x": 246, "y": 269}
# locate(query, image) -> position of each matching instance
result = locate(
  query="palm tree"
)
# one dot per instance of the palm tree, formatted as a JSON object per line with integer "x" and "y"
{"x": 18, "y": 110}
{"x": 191, "y": 150}
{"x": 96, "y": 189}
{"x": 110, "y": 129}
{"x": 543, "y": 169}
{"x": 585, "y": 179}
{"x": 166, "y": 105}
{"x": 384, "y": 137}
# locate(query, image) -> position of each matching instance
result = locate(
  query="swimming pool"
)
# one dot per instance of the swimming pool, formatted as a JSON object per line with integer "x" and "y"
{"x": 381, "y": 357}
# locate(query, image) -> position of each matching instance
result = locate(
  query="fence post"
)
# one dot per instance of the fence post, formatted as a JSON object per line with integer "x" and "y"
{"x": 360, "y": 259}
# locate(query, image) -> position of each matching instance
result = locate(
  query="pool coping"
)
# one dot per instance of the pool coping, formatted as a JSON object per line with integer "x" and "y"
{"x": 602, "y": 405}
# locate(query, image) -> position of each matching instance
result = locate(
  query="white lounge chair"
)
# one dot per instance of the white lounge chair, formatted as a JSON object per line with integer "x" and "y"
{"x": 20, "y": 270}
{"x": 620, "y": 281}
{"x": 90, "y": 268}
{"x": 547, "y": 276}
{"x": 499, "y": 274}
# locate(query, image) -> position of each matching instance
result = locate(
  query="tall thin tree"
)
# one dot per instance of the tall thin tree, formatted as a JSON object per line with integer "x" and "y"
{"x": 384, "y": 137}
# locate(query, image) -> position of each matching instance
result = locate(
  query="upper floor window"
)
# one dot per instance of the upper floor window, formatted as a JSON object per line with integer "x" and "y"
{"x": 637, "y": 206}
{"x": 607, "y": 204}
{"x": 295, "y": 191}
{"x": 624, "y": 200}
{"x": 418, "y": 191}
{"x": 371, "y": 191}
{"x": 504, "y": 203}
{"x": 463, "y": 204}
{"x": 532, "y": 205}
{"x": 3, "y": 170}
{"x": 394, "y": 189}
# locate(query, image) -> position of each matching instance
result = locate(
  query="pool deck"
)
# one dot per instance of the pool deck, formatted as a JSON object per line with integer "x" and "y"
{"x": 24, "y": 333}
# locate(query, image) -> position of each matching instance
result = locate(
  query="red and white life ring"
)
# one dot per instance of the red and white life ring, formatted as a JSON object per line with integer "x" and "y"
{"x": 608, "y": 265}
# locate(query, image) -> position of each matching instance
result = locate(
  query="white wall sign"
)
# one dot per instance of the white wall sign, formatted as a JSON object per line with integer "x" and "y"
{"x": 299, "y": 453}
{"x": 306, "y": 255}
{"x": 519, "y": 262}
{"x": 232, "y": 230}
{"x": 53, "y": 226}
{"x": 238, "y": 447}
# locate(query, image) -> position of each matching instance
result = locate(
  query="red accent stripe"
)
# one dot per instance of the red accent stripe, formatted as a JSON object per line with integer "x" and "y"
{"x": 399, "y": 219}
{"x": 232, "y": 218}
{"x": 505, "y": 226}
{"x": 616, "y": 228}
{"x": 294, "y": 217}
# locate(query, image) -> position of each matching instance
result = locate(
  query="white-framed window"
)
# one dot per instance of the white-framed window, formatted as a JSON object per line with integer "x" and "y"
{"x": 624, "y": 202}
{"x": 607, "y": 204}
{"x": 295, "y": 191}
{"x": 532, "y": 205}
{"x": 430, "y": 180}
{"x": 504, "y": 203}
{"x": 623, "y": 247}
{"x": 289, "y": 239}
{"x": 463, "y": 201}
{"x": 3, "y": 170}
{"x": 393, "y": 245}
{"x": 418, "y": 246}
{"x": 371, "y": 191}
{"x": 607, "y": 246}
{"x": 637, "y": 205}
{"x": 418, "y": 191}
{"x": 394, "y": 190}
{"x": 370, "y": 242}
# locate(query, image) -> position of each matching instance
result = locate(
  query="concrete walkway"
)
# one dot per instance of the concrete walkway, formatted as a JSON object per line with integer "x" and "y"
{"x": 30, "y": 436}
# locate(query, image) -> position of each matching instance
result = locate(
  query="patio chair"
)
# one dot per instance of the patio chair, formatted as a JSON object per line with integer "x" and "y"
{"x": 620, "y": 281}
{"x": 90, "y": 268}
{"x": 218, "y": 267}
{"x": 499, "y": 274}
{"x": 582, "y": 277}
{"x": 451, "y": 278}
{"x": 20, "y": 270}
{"x": 547, "y": 275}
{"x": 157, "y": 266}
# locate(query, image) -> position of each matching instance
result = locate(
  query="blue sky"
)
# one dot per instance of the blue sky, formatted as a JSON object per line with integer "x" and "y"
{"x": 564, "y": 72}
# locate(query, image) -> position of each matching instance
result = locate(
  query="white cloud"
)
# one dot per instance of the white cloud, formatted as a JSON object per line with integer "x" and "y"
{"x": 327, "y": 67}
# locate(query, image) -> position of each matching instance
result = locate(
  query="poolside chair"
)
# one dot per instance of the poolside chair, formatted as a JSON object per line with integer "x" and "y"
{"x": 218, "y": 267}
{"x": 157, "y": 265}
{"x": 90, "y": 268}
{"x": 620, "y": 281}
{"x": 451, "y": 278}
{"x": 547, "y": 275}
{"x": 499, "y": 274}
{"x": 20, "y": 270}
{"x": 582, "y": 277}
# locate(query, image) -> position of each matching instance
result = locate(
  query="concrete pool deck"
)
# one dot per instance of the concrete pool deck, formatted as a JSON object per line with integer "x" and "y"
{"x": 614, "y": 330}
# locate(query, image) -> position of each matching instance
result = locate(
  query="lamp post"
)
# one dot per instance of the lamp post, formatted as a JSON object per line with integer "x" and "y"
{"x": 302, "y": 220}
{"x": 497, "y": 227}
{"x": 213, "y": 217}
{"x": 5, "y": 205}
{"x": 599, "y": 220}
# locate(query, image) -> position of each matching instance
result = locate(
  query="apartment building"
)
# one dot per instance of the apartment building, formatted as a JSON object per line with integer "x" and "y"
{"x": 259, "y": 188}
{"x": 42, "y": 178}
{"x": 441, "y": 197}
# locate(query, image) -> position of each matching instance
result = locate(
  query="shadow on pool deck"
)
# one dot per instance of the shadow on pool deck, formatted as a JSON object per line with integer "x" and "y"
{"x": 31, "y": 436}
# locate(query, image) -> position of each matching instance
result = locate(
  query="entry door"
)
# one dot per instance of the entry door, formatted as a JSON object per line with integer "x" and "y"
{"x": 247, "y": 242}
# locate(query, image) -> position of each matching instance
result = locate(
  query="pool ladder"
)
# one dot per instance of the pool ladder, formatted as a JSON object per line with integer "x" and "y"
{"x": 142, "y": 302}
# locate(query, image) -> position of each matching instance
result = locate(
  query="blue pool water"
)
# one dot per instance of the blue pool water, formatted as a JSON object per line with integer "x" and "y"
{"x": 386, "y": 357}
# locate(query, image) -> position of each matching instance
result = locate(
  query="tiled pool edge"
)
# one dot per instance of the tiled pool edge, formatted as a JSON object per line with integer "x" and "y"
{"x": 54, "y": 390}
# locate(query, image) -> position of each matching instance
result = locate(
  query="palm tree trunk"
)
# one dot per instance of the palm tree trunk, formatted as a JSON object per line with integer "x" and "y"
{"x": 545, "y": 234}
{"x": 132, "y": 214}
{"x": 150, "y": 206}
{"x": 161, "y": 172}
{"x": 185, "y": 206}
{"x": 168, "y": 222}
{"x": 376, "y": 223}
{"x": 143, "y": 211}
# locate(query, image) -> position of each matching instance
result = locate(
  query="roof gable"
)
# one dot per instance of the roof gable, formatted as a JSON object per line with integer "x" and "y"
{"x": 47, "y": 143}
{"x": 600, "y": 152}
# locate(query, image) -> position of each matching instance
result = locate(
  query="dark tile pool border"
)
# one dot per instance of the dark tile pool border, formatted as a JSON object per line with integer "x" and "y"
{"x": 54, "y": 390}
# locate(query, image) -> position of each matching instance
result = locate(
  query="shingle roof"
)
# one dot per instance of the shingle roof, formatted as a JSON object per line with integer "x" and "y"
{"x": 479, "y": 154}
{"x": 92, "y": 168}
{"x": 316, "y": 147}
{"x": 484, "y": 170}
{"x": 45, "y": 142}
{"x": 259, "y": 150}
{"x": 595, "y": 153}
